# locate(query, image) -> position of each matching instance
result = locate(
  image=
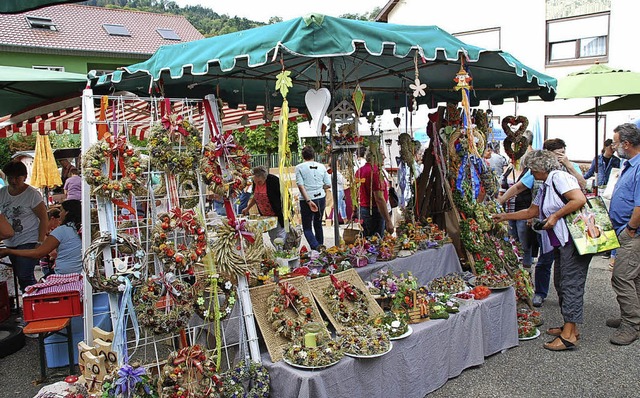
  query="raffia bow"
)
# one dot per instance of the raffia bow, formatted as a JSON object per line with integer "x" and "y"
{"x": 223, "y": 144}
{"x": 290, "y": 294}
{"x": 344, "y": 289}
{"x": 192, "y": 356}
{"x": 174, "y": 124}
{"x": 185, "y": 219}
{"x": 242, "y": 231}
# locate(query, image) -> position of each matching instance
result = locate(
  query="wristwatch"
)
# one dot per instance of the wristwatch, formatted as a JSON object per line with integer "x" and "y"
{"x": 632, "y": 229}
{"x": 308, "y": 200}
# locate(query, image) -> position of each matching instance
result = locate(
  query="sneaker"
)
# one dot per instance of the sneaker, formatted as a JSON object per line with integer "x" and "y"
{"x": 624, "y": 335}
{"x": 614, "y": 322}
{"x": 606, "y": 255}
{"x": 538, "y": 300}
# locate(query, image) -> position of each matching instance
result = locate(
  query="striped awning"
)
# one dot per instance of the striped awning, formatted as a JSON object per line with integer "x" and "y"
{"x": 136, "y": 117}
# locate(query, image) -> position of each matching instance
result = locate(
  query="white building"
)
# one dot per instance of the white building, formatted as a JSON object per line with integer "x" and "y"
{"x": 555, "y": 37}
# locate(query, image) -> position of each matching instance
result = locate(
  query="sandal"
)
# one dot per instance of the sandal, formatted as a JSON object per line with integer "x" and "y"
{"x": 555, "y": 331}
{"x": 566, "y": 345}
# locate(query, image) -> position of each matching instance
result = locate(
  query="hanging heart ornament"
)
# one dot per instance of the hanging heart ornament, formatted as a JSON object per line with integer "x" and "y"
{"x": 514, "y": 126}
{"x": 317, "y": 102}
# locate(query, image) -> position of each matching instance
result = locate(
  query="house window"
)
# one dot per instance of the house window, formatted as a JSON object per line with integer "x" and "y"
{"x": 485, "y": 38}
{"x": 168, "y": 34}
{"x": 52, "y": 68}
{"x": 41, "y": 23}
{"x": 580, "y": 147}
{"x": 116, "y": 30}
{"x": 578, "y": 40}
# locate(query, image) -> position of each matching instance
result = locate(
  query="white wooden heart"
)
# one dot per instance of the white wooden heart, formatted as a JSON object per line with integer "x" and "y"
{"x": 317, "y": 102}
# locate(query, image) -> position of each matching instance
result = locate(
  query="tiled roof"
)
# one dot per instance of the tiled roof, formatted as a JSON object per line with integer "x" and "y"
{"x": 79, "y": 28}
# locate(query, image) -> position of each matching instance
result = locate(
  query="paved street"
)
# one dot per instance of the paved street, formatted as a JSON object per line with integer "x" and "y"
{"x": 595, "y": 369}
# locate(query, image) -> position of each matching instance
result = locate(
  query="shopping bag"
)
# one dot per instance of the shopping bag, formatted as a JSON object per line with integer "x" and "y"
{"x": 590, "y": 227}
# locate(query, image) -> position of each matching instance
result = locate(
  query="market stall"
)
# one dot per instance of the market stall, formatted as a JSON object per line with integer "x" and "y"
{"x": 166, "y": 260}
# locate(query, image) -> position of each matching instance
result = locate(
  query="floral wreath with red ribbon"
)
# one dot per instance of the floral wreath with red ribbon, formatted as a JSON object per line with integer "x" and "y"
{"x": 225, "y": 166}
{"x": 170, "y": 133}
{"x": 179, "y": 256}
{"x": 190, "y": 372}
{"x": 286, "y": 296}
{"x": 125, "y": 168}
{"x": 164, "y": 304}
{"x": 339, "y": 293}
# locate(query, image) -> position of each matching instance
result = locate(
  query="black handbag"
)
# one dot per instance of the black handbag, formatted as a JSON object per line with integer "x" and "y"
{"x": 393, "y": 198}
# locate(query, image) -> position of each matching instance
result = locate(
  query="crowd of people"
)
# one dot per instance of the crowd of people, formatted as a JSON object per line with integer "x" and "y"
{"x": 551, "y": 187}
{"x": 546, "y": 188}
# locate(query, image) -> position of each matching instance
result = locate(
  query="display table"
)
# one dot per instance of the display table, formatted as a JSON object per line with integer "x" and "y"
{"x": 436, "y": 351}
{"x": 425, "y": 265}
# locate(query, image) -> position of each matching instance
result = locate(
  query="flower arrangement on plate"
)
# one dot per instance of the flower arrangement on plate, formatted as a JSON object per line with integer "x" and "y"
{"x": 129, "y": 381}
{"x": 190, "y": 373}
{"x": 526, "y": 329}
{"x": 393, "y": 324}
{"x": 364, "y": 341}
{"x": 533, "y": 316}
{"x": 495, "y": 280}
{"x": 384, "y": 283}
{"x": 321, "y": 356}
{"x": 252, "y": 374}
{"x": 441, "y": 305}
{"x": 347, "y": 303}
{"x": 450, "y": 284}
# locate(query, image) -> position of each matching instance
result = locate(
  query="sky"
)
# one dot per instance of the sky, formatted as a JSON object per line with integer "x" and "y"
{"x": 262, "y": 10}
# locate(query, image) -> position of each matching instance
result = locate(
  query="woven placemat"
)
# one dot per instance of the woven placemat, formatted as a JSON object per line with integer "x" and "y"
{"x": 259, "y": 299}
{"x": 320, "y": 284}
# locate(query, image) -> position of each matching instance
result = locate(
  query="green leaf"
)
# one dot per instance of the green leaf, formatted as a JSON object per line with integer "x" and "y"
{"x": 284, "y": 82}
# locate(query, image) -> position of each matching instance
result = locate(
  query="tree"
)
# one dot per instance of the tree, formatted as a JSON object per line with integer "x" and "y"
{"x": 264, "y": 139}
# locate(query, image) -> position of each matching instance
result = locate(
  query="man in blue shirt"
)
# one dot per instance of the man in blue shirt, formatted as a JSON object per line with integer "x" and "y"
{"x": 312, "y": 180}
{"x": 625, "y": 217}
{"x": 606, "y": 161}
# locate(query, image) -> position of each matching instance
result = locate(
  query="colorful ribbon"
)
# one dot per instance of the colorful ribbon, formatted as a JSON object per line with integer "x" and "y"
{"x": 290, "y": 294}
{"x": 127, "y": 310}
{"x": 344, "y": 289}
{"x": 174, "y": 124}
{"x": 128, "y": 377}
{"x": 241, "y": 230}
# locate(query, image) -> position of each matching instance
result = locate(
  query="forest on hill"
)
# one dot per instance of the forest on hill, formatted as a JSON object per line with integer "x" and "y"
{"x": 207, "y": 21}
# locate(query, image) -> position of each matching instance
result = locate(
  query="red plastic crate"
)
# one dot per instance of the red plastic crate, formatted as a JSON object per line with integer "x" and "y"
{"x": 51, "y": 306}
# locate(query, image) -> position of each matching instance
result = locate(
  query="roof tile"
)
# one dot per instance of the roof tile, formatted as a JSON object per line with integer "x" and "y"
{"x": 80, "y": 28}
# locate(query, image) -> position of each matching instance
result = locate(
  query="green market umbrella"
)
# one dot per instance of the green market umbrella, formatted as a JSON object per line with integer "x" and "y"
{"x": 22, "y": 88}
{"x": 599, "y": 81}
{"x": 383, "y": 59}
{"x": 322, "y": 51}
{"x": 624, "y": 103}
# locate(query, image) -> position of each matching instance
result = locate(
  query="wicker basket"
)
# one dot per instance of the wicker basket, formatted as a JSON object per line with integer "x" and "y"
{"x": 351, "y": 233}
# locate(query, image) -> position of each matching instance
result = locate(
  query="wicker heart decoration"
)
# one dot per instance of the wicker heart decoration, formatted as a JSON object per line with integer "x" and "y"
{"x": 514, "y": 126}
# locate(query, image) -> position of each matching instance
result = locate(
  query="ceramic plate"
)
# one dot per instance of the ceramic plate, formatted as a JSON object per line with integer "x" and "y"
{"x": 499, "y": 287}
{"x": 532, "y": 337}
{"x": 403, "y": 335}
{"x": 309, "y": 367}
{"x": 370, "y": 356}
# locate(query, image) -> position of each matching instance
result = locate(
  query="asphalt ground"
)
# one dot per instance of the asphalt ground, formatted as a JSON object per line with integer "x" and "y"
{"x": 595, "y": 369}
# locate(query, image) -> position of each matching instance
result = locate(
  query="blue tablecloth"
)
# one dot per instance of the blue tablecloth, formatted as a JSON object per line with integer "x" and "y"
{"x": 417, "y": 365}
